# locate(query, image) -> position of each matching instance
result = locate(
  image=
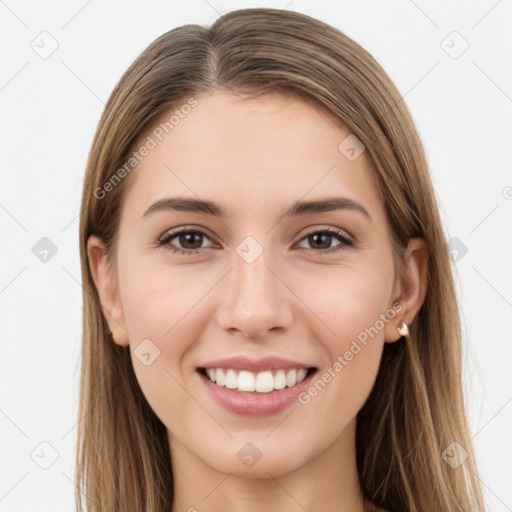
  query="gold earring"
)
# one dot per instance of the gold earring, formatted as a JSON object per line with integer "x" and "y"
{"x": 403, "y": 329}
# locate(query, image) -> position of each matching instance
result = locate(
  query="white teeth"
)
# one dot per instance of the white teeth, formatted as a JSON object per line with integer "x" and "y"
{"x": 246, "y": 381}
{"x": 301, "y": 374}
{"x": 231, "y": 379}
{"x": 219, "y": 377}
{"x": 262, "y": 382}
{"x": 280, "y": 379}
{"x": 291, "y": 378}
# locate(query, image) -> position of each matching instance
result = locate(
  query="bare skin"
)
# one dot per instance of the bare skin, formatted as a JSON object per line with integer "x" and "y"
{"x": 256, "y": 158}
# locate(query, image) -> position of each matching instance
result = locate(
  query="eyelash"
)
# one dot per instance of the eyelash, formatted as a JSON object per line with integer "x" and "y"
{"x": 346, "y": 242}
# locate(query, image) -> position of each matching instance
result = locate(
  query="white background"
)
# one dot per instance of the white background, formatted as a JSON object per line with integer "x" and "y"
{"x": 50, "y": 110}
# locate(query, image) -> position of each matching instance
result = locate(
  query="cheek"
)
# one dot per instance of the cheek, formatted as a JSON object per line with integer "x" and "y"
{"x": 346, "y": 302}
{"x": 165, "y": 314}
{"x": 163, "y": 303}
{"x": 349, "y": 311}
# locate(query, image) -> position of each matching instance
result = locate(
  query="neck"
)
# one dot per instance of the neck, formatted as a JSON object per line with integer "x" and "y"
{"x": 326, "y": 483}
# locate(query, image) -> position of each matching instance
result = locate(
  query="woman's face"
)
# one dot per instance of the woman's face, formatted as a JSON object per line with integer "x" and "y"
{"x": 252, "y": 280}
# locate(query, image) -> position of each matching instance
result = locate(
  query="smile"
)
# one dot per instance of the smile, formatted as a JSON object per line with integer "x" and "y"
{"x": 261, "y": 382}
{"x": 255, "y": 394}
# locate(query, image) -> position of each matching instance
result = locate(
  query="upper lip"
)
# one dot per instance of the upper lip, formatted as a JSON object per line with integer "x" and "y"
{"x": 255, "y": 365}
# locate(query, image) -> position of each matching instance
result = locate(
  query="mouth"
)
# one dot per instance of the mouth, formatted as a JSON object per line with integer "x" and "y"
{"x": 263, "y": 382}
{"x": 254, "y": 394}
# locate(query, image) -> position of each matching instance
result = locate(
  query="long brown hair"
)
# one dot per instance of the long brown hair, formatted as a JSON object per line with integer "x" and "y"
{"x": 416, "y": 408}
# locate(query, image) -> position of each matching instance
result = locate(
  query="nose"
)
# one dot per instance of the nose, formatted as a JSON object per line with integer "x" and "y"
{"x": 255, "y": 301}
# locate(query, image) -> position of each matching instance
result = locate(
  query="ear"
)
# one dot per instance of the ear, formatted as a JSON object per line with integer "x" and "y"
{"x": 412, "y": 287}
{"x": 105, "y": 281}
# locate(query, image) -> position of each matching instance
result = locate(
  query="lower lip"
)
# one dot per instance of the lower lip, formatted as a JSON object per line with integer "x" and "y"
{"x": 247, "y": 403}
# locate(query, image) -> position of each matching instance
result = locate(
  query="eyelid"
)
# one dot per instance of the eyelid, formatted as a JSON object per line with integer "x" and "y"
{"x": 171, "y": 233}
{"x": 331, "y": 230}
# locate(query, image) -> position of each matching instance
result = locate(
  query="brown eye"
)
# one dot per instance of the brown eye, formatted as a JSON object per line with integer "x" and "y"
{"x": 320, "y": 240}
{"x": 189, "y": 241}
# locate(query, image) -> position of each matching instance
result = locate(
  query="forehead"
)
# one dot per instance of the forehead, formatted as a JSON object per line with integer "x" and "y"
{"x": 248, "y": 154}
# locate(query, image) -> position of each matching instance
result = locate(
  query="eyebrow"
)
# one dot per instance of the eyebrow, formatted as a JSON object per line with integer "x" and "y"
{"x": 299, "y": 208}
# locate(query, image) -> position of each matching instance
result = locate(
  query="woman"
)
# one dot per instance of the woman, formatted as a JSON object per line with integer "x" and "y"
{"x": 270, "y": 319}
